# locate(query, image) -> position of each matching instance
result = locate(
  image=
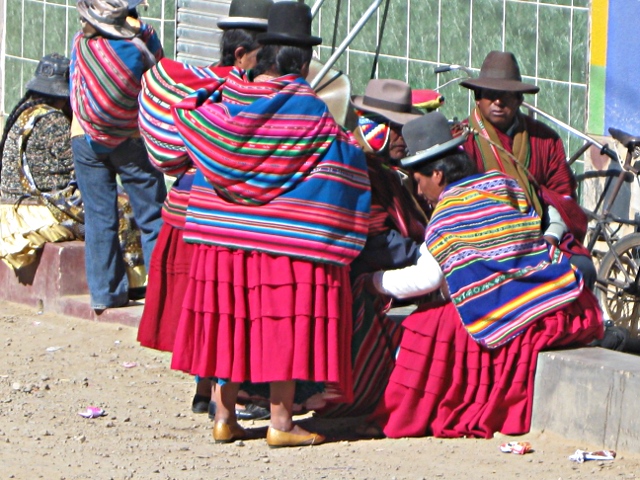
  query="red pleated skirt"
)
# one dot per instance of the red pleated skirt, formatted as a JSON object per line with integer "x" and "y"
{"x": 444, "y": 384}
{"x": 166, "y": 286}
{"x": 251, "y": 316}
{"x": 373, "y": 349}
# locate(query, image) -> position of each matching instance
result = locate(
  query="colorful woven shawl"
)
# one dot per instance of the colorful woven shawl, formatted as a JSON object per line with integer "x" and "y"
{"x": 278, "y": 175}
{"x": 105, "y": 83}
{"x": 166, "y": 84}
{"x": 500, "y": 273}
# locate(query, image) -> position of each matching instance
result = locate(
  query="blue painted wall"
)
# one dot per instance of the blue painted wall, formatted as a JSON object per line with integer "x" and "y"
{"x": 622, "y": 91}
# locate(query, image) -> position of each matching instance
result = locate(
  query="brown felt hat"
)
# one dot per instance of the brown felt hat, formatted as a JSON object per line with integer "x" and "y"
{"x": 500, "y": 72}
{"x": 389, "y": 98}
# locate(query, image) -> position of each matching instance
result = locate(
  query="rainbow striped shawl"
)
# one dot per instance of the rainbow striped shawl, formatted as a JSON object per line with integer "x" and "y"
{"x": 278, "y": 175}
{"x": 500, "y": 273}
{"x": 105, "y": 83}
{"x": 164, "y": 85}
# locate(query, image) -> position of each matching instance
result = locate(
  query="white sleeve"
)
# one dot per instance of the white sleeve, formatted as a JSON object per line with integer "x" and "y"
{"x": 424, "y": 277}
{"x": 557, "y": 228}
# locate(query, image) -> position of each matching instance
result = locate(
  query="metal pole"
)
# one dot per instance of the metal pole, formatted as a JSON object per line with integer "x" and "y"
{"x": 316, "y": 8}
{"x": 560, "y": 123}
{"x": 346, "y": 42}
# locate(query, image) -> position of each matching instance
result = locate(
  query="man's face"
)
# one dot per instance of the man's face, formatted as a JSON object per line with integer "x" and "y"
{"x": 397, "y": 145}
{"x": 498, "y": 107}
{"x": 429, "y": 187}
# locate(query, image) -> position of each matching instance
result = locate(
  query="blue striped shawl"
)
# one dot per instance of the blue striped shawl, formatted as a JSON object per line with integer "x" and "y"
{"x": 501, "y": 274}
{"x": 247, "y": 194}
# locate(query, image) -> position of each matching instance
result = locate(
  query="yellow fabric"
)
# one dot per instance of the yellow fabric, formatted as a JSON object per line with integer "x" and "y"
{"x": 24, "y": 230}
{"x": 76, "y": 128}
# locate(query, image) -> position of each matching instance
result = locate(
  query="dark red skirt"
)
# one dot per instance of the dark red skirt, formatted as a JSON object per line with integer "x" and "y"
{"x": 373, "y": 349}
{"x": 444, "y": 384}
{"x": 168, "y": 279}
{"x": 251, "y": 316}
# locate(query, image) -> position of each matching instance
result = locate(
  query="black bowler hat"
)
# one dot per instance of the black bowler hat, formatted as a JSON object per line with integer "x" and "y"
{"x": 289, "y": 24}
{"x": 429, "y": 138}
{"x": 249, "y": 14}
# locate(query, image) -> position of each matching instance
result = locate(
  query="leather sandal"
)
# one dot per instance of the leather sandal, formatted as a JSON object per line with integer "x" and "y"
{"x": 278, "y": 438}
{"x": 226, "y": 433}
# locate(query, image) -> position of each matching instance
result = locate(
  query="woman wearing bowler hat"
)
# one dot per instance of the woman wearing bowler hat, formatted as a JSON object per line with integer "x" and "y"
{"x": 278, "y": 210}
{"x": 164, "y": 85}
{"x": 466, "y": 363}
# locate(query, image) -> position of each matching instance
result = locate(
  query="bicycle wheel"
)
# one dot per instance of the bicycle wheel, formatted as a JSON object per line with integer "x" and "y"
{"x": 616, "y": 282}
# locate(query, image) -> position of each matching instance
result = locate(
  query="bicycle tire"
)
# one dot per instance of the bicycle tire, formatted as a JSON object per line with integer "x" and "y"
{"x": 622, "y": 307}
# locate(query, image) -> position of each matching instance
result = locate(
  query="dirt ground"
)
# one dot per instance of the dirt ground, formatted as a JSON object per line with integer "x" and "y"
{"x": 53, "y": 367}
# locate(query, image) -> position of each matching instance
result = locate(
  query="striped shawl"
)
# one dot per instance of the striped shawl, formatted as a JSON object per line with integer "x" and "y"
{"x": 277, "y": 175}
{"x": 500, "y": 273}
{"x": 105, "y": 83}
{"x": 164, "y": 85}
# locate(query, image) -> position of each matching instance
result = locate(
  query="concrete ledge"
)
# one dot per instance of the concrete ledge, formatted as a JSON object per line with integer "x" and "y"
{"x": 589, "y": 395}
{"x": 57, "y": 283}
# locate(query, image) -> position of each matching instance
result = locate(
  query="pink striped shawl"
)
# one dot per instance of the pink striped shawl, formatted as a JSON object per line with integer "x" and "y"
{"x": 105, "y": 79}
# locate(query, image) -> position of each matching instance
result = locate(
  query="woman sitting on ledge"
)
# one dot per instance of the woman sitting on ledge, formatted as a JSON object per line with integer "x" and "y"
{"x": 466, "y": 364}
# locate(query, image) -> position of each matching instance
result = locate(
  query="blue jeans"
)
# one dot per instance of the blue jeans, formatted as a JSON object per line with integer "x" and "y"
{"x": 96, "y": 175}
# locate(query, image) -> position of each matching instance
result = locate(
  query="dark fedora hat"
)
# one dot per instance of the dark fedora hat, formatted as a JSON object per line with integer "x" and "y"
{"x": 389, "y": 98}
{"x": 249, "y": 14}
{"x": 289, "y": 24}
{"x": 51, "y": 77}
{"x": 429, "y": 138}
{"x": 500, "y": 72}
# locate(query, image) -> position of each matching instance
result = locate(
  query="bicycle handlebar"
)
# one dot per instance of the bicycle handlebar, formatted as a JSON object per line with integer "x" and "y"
{"x": 612, "y": 154}
{"x": 442, "y": 69}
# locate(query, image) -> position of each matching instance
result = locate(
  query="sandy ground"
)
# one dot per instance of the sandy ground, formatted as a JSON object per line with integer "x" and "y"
{"x": 53, "y": 367}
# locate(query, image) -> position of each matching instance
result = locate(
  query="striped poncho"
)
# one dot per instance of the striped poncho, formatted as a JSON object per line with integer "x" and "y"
{"x": 278, "y": 175}
{"x": 164, "y": 85}
{"x": 105, "y": 82}
{"x": 500, "y": 273}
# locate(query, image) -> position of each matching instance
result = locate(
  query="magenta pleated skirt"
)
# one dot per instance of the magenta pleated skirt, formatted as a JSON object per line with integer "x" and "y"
{"x": 446, "y": 385}
{"x": 168, "y": 278}
{"x": 251, "y": 316}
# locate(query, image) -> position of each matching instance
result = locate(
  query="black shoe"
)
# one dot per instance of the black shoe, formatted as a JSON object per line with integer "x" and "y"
{"x": 249, "y": 412}
{"x": 200, "y": 403}
{"x": 137, "y": 293}
{"x": 253, "y": 412}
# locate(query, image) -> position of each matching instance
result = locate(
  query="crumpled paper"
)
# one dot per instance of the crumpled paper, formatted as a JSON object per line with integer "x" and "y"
{"x": 92, "y": 412}
{"x": 582, "y": 456}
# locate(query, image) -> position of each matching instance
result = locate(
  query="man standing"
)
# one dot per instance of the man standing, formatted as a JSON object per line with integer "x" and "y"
{"x": 108, "y": 59}
{"x": 506, "y": 140}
